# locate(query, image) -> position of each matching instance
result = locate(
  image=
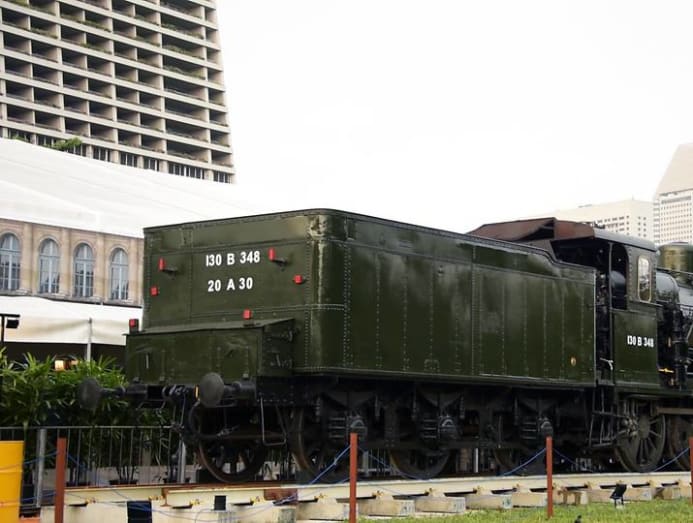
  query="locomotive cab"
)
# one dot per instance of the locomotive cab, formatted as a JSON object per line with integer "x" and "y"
{"x": 626, "y": 311}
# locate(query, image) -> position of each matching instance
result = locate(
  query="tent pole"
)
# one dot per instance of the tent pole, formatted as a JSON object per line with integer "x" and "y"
{"x": 87, "y": 356}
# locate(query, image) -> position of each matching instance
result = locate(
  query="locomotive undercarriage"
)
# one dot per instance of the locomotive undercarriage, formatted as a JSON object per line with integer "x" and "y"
{"x": 422, "y": 428}
{"x": 641, "y": 432}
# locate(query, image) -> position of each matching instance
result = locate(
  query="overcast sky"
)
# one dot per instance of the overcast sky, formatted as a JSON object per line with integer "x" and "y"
{"x": 454, "y": 113}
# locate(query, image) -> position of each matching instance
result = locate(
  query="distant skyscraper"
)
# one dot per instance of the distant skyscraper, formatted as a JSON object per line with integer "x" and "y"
{"x": 139, "y": 83}
{"x": 630, "y": 217}
{"x": 673, "y": 205}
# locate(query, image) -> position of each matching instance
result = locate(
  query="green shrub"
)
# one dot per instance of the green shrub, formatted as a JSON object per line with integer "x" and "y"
{"x": 33, "y": 393}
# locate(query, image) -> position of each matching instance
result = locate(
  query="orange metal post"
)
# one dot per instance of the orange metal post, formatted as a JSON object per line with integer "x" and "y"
{"x": 60, "y": 462}
{"x": 690, "y": 457}
{"x": 549, "y": 477}
{"x": 353, "y": 468}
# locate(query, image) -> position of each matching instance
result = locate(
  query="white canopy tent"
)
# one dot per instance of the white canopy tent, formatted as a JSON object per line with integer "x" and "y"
{"x": 49, "y": 321}
{"x": 40, "y": 185}
{"x": 43, "y": 186}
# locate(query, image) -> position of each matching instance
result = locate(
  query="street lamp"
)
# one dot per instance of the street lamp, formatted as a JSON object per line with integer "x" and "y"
{"x": 10, "y": 321}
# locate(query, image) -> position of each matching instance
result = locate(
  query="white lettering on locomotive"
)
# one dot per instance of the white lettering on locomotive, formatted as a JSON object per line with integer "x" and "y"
{"x": 640, "y": 341}
{"x": 228, "y": 259}
{"x": 243, "y": 283}
{"x": 217, "y": 259}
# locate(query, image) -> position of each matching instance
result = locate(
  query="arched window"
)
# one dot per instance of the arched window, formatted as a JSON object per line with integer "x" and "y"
{"x": 119, "y": 275}
{"x": 10, "y": 264}
{"x": 84, "y": 271}
{"x": 49, "y": 267}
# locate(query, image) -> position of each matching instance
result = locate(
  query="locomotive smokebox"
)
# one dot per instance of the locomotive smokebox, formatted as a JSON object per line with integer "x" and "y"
{"x": 678, "y": 258}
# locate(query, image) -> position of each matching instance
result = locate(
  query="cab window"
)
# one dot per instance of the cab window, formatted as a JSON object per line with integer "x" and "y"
{"x": 644, "y": 279}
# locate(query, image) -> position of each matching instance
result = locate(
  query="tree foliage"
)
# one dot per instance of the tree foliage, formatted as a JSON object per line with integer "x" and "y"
{"x": 66, "y": 145}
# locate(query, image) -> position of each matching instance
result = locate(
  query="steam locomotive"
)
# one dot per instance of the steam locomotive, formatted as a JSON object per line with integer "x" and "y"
{"x": 293, "y": 330}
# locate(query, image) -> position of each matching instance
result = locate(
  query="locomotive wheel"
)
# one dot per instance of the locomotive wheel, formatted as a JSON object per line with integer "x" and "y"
{"x": 420, "y": 463}
{"x": 678, "y": 432}
{"x": 232, "y": 461}
{"x": 642, "y": 449}
{"x": 313, "y": 452}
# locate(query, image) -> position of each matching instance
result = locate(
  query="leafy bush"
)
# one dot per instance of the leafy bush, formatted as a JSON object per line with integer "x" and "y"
{"x": 33, "y": 393}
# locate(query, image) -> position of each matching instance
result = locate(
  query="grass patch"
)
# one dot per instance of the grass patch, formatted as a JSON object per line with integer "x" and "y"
{"x": 657, "y": 511}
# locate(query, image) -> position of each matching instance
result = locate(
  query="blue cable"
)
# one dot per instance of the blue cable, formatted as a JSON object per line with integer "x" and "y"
{"x": 582, "y": 469}
{"x": 523, "y": 465}
{"x": 684, "y": 451}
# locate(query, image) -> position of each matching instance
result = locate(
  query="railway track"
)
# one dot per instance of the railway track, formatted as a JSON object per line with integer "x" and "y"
{"x": 286, "y": 502}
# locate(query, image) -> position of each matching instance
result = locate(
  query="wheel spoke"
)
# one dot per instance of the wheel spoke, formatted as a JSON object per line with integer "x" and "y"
{"x": 643, "y": 451}
{"x": 222, "y": 459}
{"x": 678, "y": 430}
{"x": 314, "y": 453}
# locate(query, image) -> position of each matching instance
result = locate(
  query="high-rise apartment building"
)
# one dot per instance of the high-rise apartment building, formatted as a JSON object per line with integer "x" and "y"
{"x": 135, "y": 82}
{"x": 630, "y": 217}
{"x": 673, "y": 204}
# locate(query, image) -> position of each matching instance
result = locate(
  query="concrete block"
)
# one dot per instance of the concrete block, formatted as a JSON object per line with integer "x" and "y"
{"x": 570, "y": 497}
{"x": 260, "y": 513}
{"x": 669, "y": 492}
{"x": 100, "y": 512}
{"x": 527, "y": 498}
{"x": 438, "y": 502}
{"x": 597, "y": 494}
{"x": 326, "y": 509}
{"x": 488, "y": 501}
{"x": 385, "y": 505}
{"x": 685, "y": 488}
{"x": 638, "y": 494}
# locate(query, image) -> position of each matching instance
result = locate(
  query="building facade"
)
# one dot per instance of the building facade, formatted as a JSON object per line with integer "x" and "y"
{"x": 629, "y": 217}
{"x": 69, "y": 264}
{"x": 673, "y": 203}
{"x": 135, "y": 82}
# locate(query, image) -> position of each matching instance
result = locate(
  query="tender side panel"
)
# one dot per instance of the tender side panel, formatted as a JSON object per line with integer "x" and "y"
{"x": 392, "y": 303}
{"x": 516, "y": 315}
{"x": 438, "y": 305}
{"x": 533, "y": 325}
{"x": 213, "y": 271}
{"x": 450, "y": 323}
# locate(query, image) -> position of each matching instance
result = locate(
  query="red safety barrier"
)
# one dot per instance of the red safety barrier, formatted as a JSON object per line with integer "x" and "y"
{"x": 690, "y": 457}
{"x": 549, "y": 477}
{"x": 60, "y": 463}
{"x": 353, "y": 468}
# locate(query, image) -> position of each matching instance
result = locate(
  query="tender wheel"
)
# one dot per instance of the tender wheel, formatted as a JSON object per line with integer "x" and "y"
{"x": 642, "y": 448}
{"x": 313, "y": 452}
{"x": 232, "y": 461}
{"x": 678, "y": 431}
{"x": 420, "y": 463}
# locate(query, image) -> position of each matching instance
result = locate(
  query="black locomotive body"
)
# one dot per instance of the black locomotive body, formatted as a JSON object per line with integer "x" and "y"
{"x": 292, "y": 330}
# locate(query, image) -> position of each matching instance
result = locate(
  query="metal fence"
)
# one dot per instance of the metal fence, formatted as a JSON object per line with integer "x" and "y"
{"x": 98, "y": 456}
